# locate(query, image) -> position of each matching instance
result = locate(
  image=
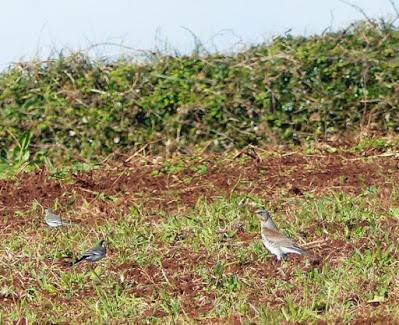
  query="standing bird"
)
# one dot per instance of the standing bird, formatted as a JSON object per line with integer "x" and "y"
{"x": 94, "y": 254}
{"x": 54, "y": 220}
{"x": 275, "y": 241}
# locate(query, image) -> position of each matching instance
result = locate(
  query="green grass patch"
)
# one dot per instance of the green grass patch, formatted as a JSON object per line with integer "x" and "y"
{"x": 207, "y": 263}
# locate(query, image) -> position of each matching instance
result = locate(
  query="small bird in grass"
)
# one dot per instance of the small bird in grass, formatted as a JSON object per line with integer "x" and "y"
{"x": 54, "y": 220}
{"x": 275, "y": 241}
{"x": 94, "y": 254}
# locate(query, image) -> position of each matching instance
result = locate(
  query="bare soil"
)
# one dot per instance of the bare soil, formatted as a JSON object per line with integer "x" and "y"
{"x": 135, "y": 182}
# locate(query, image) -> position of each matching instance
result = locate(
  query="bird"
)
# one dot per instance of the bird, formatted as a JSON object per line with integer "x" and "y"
{"x": 94, "y": 254}
{"x": 54, "y": 220}
{"x": 274, "y": 240}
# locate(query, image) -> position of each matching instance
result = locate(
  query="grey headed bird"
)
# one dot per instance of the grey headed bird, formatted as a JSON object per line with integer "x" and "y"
{"x": 274, "y": 240}
{"x": 54, "y": 220}
{"x": 94, "y": 254}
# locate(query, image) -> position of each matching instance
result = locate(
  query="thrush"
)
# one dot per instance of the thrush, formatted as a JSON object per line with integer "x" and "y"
{"x": 94, "y": 254}
{"x": 274, "y": 240}
{"x": 54, "y": 220}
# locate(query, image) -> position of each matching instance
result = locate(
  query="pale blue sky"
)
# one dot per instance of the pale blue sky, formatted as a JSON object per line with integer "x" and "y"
{"x": 32, "y": 28}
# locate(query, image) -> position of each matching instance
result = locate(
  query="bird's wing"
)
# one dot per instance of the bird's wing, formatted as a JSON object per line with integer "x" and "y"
{"x": 98, "y": 250}
{"x": 52, "y": 217}
{"x": 278, "y": 237}
{"x": 53, "y": 221}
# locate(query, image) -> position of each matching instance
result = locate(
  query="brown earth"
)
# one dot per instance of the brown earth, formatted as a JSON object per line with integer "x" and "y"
{"x": 148, "y": 183}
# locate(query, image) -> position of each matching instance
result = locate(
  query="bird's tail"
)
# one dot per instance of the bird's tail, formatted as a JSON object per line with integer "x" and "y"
{"x": 77, "y": 260}
{"x": 296, "y": 250}
{"x": 67, "y": 223}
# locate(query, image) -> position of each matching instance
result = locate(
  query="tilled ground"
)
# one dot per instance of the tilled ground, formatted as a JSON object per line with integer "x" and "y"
{"x": 144, "y": 182}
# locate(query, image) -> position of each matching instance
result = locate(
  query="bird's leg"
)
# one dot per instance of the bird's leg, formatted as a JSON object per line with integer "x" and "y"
{"x": 281, "y": 258}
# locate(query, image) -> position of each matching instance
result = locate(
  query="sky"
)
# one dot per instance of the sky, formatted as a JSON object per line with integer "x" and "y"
{"x": 40, "y": 28}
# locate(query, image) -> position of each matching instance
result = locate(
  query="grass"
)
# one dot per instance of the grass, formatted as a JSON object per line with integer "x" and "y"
{"x": 207, "y": 263}
{"x": 16, "y": 159}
